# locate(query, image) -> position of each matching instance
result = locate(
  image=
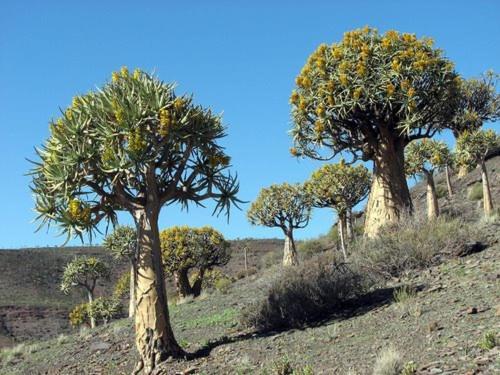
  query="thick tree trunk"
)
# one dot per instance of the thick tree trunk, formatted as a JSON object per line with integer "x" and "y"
{"x": 131, "y": 305}
{"x": 487, "y": 200}
{"x": 290, "y": 252}
{"x": 389, "y": 196}
{"x": 90, "y": 295}
{"x": 181, "y": 282}
{"x": 448, "y": 181}
{"x": 432, "y": 200}
{"x": 196, "y": 288}
{"x": 155, "y": 339}
{"x": 342, "y": 224}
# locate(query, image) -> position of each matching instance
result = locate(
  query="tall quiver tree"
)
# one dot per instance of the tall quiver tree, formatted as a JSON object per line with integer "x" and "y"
{"x": 122, "y": 243}
{"x": 370, "y": 95}
{"x": 185, "y": 248}
{"x": 133, "y": 145}
{"x": 424, "y": 157}
{"x": 341, "y": 187}
{"x": 471, "y": 151}
{"x": 83, "y": 272}
{"x": 284, "y": 206}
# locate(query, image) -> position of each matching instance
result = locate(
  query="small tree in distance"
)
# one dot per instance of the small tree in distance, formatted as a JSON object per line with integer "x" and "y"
{"x": 84, "y": 272}
{"x": 478, "y": 103}
{"x": 370, "y": 95}
{"x": 471, "y": 151}
{"x": 122, "y": 243}
{"x": 425, "y": 157}
{"x": 184, "y": 248}
{"x": 341, "y": 187}
{"x": 284, "y": 206}
{"x": 134, "y": 146}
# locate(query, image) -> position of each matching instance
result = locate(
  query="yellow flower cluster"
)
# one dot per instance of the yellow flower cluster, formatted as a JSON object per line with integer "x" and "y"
{"x": 320, "y": 111}
{"x": 344, "y": 81}
{"x": 179, "y": 104}
{"x": 361, "y": 68}
{"x": 118, "y": 112}
{"x": 136, "y": 142}
{"x": 319, "y": 126}
{"x": 69, "y": 114}
{"x": 115, "y": 76}
{"x": 137, "y": 73}
{"x": 165, "y": 122}
{"x": 78, "y": 212}
{"x": 124, "y": 71}
{"x": 75, "y": 102}
{"x": 108, "y": 155}
{"x": 390, "y": 89}
{"x": 293, "y": 151}
{"x": 294, "y": 98}
{"x": 357, "y": 93}
{"x": 396, "y": 65}
{"x": 219, "y": 159}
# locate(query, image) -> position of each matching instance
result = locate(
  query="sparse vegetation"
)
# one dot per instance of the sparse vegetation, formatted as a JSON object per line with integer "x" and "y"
{"x": 475, "y": 192}
{"x": 389, "y": 362}
{"x": 412, "y": 244}
{"x": 318, "y": 288}
{"x": 488, "y": 341}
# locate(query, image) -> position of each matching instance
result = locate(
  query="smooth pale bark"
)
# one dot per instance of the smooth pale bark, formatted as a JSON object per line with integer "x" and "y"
{"x": 155, "y": 339}
{"x": 131, "y": 305}
{"x": 432, "y": 200}
{"x": 90, "y": 295}
{"x": 389, "y": 195}
{"x": 341, "y": 224}
{"x": 448, "y": 181}
{"x": 290, "y": 257}
{"x": 487, "y": 200}
{"x": 349, "y": 226}
{"x": 462, "y": 171}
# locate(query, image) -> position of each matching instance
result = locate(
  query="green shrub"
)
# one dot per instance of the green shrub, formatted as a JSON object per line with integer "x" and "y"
{"x": 79, "y": 315}
{"x": 122, "y": 286}
{"x": 222, "y": 284}
{"x": 245, "y": 273}
{"x": 404, "y": 293}
{"x": 410, "y": 368}
{"x": 214, "y": 277}
{"x": 488, "y": 342}
{"x": 441, "y": 191}
{"x": 308, "y": 248}
{"x": 476, "y": 192}
{"x": 411, "y": 244}
{"x": 311, "y": 291}
{"x": 104, "y": 309}
{"x": 283, "y": 366}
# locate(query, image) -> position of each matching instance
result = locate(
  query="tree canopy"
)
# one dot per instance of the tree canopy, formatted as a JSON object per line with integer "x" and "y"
{"x": 425, "y": 156}
{"x": 472, "y": 147}
{"x": 369, "y": 86}
{"x": 112, "y": 146}
{"x": 478, "y": 102}
{"x": 184, "y": 248}
{"x": 286, "y": 206}
{"x": 339, "y": 186}
{"x": 122, "y": 242}
{"x": 84, "y": 272}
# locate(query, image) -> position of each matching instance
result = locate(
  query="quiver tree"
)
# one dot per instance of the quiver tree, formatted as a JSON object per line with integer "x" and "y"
{"x": 478, "y": 103}
{"x": 423, "y": 158}
{"x": 284, "y": 206}
{"x": 370, "y": 95}
{"x": 122, "y": 243}
{"x": 83, "y": 272}
{"x": 341, "y": 187}
{"x": 133, "y": 145}
{"x": 471, "y": 151}
{"x": 184, "y": 249}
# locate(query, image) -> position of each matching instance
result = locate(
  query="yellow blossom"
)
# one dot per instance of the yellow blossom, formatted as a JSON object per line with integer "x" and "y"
{"x": 124, "y": 71}
{"x": 331, "y": 100}
{"x": 115, "y": 77}
{"x": 337, "y": 52}
{"x": 396, "y": 65}
{"x": 411, "y": 92}
{"x": 137, "y": 73}
{"x": 361, "y": 69}
{"x": 390, "y": 89}
{"x": 294, "y": 98}
{"x": 319, "y": 126}
{"x": 69, "y": 114}
{"x": 343, "y": 79}
{"x": 294, "y": 151}
{"x": 357, "y": 93}
{"x": 75, "y": 102}
{"x": 320, "y": 110}
{"x": 178, "y": 103}
{"x": 405, "y": 85}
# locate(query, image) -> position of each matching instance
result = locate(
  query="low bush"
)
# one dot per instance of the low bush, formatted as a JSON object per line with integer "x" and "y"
{"x": 412, "y": 244}
{"x": 240, "y": 274}
{"x": 79, "y": 315}
{"x": 101, "y": 309}
{"x": 441, "y": 191}
{"x": 475, "y": 192}
{"x": 307, "y": 293}
{"x": 488, "y": 342}
{"x": 222, "y": 284}
{"x": 271, "y": 258}
{"x": 308, "y": 248}
{"x": 388, "y": 362}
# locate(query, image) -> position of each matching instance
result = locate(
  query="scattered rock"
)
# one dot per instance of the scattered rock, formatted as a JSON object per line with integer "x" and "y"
{"x": 99, "y": 346}
{"x": 471, "y": 310}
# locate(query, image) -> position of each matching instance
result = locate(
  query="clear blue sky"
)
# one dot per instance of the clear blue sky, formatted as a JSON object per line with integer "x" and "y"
{"x": 235, "y": 58}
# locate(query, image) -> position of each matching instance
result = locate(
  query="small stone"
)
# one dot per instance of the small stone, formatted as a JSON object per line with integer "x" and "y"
{"x": 100, "y": 346}
{"x": 435, "y": 370}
